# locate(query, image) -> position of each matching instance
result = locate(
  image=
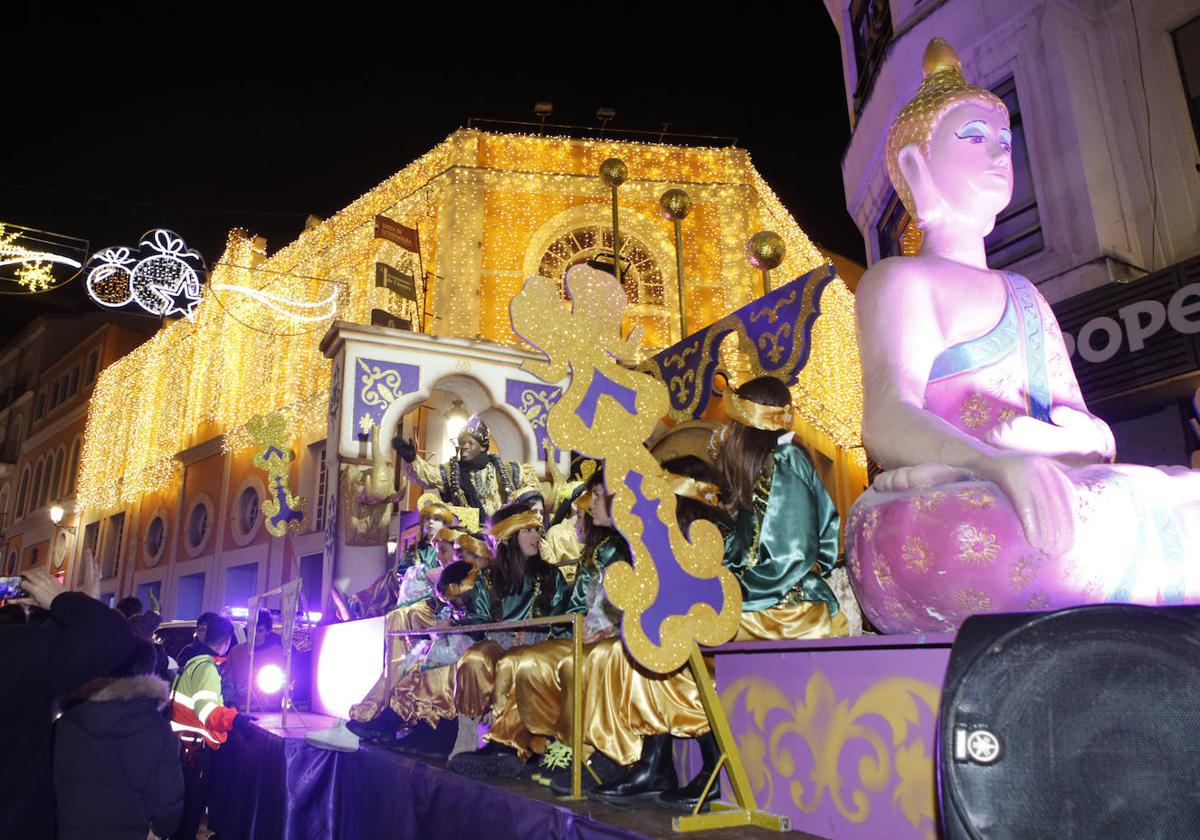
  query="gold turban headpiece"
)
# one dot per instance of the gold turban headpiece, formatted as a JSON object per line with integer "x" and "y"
{"x": 756, "y": 415}
{"x": 475, "y": 546}
{"x": 437, "y": 510}
{"x": 505, "y": 528}
{"x": 455, "y": 590}
{"x": 449, "y": 535}
{"x": 943, "y": 90}
{"x": 704, "y": 492}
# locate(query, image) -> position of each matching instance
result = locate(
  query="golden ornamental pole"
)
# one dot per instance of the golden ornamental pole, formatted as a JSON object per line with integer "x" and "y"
{"x": 613, "y": 172}
{"x": 766, "y": 251}
{"x": 676, "y": 204}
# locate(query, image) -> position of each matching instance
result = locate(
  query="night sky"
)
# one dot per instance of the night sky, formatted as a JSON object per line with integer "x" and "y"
{"x": 114, "y": 128}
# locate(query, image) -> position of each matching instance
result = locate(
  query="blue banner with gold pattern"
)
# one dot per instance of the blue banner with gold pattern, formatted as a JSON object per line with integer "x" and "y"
{"x": 775, "y": 331}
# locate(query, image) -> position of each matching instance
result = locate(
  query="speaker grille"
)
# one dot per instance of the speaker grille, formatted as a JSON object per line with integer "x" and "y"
{"x": 1096, "y": 713}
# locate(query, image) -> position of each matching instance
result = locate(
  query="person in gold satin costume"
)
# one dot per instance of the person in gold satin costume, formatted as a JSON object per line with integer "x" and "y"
{"x": 518, "y": 584}
{"x": 781, "y": 540}
{"x": 403, "y": 698}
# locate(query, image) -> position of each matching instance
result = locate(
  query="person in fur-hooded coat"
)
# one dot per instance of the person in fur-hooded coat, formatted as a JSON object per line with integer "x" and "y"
{"x": 116, "y": 761}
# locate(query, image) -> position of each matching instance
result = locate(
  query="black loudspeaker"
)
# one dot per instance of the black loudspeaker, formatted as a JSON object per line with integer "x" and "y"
{"x": 1082, "y": 724}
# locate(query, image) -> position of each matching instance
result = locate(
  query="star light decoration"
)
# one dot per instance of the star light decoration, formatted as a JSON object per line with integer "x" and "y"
{"x": 163, "y": 278}
{"x": 32, "y": 269}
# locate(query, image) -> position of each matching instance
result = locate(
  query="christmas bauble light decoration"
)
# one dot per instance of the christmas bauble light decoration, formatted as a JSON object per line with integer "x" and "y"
{"x": 163, "y": 278}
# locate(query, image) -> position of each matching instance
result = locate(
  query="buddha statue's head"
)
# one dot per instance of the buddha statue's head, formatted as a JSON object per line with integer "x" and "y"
{"x": 949, "y": 149}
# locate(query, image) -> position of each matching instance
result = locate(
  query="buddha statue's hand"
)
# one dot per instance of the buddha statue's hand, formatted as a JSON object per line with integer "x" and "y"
{"x": 918, "y": 477}
{"x": 1073, "y": 437}
{"x": 1041, "y": 495}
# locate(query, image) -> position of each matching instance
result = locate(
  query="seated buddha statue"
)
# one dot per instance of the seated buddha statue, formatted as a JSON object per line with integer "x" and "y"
{"x": 999, "y": 491}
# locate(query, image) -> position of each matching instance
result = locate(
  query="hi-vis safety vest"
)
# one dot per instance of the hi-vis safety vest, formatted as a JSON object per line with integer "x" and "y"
{"x": 197, "y": 709}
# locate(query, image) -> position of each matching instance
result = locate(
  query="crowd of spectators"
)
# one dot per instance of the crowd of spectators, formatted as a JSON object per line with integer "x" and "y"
{"x": 105, "y": 735}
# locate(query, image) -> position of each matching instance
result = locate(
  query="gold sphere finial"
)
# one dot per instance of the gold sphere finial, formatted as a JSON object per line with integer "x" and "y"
{"x": 613, "y": 172}
{"x": 939, "y": 55}
{"x": 676, "y": 204}
{"x": 765, "y": 250}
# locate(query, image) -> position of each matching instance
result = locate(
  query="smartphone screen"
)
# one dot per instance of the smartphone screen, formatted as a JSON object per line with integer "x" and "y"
{"x": 10, "y": 587}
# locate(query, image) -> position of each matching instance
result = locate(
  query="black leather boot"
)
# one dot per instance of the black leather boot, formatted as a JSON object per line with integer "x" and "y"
{"x": 650, "y": 775}
{"x": 382, "y": 727}
{"x": 686, "y": 797}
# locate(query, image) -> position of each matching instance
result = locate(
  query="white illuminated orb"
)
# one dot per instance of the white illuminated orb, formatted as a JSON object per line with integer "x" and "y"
{"x": 270, "y": 679}
{"x": 163, "y": 279}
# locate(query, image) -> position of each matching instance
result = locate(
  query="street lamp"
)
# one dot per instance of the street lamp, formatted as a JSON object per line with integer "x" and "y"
{"x": 56, "y": 514}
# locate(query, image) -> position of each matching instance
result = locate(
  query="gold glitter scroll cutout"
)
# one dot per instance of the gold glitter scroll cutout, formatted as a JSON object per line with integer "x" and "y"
{"x": 606, "y": 412}
{"x": 281, "y": 510}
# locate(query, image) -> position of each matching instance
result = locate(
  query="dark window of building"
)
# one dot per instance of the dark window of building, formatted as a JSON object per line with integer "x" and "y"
{"x": 73, "y": 382}
{"x": 33, "y": 558}
{"x": 898, "y": 233}
{"x": 1187, "y": 50}
{"x": 39, "y": 484}
{"x": 322, "y": 488}
{"x": 871, "y": 27}
{"x": 39, "y": 407}
{"x": 312, "y": 570}
{"x": 110, "y": 566}
{"x": 22, "y": 493}
{"x": 72, "y": 470}
{"x": 11, "y": 567}
{"x": 197, "y": 525}
{"x": 247, "y": 510}
{"x": 93, "y": 365}
{"x": 155, "y": 538}
{"x": 1018, "y": 231}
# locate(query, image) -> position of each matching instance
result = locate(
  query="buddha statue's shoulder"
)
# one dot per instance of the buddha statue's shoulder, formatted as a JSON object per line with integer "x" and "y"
{"x": 914, "y": 273}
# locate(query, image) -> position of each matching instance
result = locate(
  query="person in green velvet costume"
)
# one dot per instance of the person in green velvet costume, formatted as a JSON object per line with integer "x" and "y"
{"x": 784, "y": 542}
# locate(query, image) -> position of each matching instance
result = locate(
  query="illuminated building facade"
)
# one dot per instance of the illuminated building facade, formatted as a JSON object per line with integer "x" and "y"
{"x": 167, "y": 446}
{"x": 47, "y": 374}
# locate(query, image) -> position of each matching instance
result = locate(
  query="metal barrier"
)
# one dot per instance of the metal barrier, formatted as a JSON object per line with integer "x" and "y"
{"x": 575, "y": 620}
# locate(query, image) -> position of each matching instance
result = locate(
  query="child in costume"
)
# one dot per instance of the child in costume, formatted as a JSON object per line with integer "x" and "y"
{"x": 519, "y": 584}
{"x": 389, "y": 706}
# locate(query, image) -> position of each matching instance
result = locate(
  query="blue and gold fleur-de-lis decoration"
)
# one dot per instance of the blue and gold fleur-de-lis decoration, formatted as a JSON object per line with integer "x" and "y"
{"x": 676, "y": 593}
{"x": 281, "y": 510}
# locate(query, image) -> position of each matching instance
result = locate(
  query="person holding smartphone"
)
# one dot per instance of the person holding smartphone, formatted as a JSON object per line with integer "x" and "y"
{"x": 80, "y": 640}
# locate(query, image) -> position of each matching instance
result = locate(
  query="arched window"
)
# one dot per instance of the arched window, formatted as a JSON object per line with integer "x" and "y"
{"x": 54, "y": 486}
{"x": 39, "y": 484}
{"x": 641, "y": 276}
{"x": 73, "y": 468}
{"x": 22, "y": 493}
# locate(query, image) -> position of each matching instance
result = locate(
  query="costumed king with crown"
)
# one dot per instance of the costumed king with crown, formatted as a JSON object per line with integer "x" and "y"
{"x": 999, "y": 491}
{"x": 475, "y": 478}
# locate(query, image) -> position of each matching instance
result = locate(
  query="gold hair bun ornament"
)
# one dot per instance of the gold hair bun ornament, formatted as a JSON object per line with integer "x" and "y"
{"x": 613, "y": 172}
{"x": 943, "y": 90}
{"x": 772, "y": 418}
{"x": 437, "y": 510}
{"x": 766, "y": 250}
{"x": 676, "y": 204}
{"x": 939, "y": 55}
{"x": 505, "y": 528}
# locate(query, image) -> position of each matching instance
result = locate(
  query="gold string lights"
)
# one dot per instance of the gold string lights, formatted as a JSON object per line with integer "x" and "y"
{"x": 487, "y": 207}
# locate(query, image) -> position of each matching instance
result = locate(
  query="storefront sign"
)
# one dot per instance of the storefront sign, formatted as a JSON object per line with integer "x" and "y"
{"x": 1122, "y": 337}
